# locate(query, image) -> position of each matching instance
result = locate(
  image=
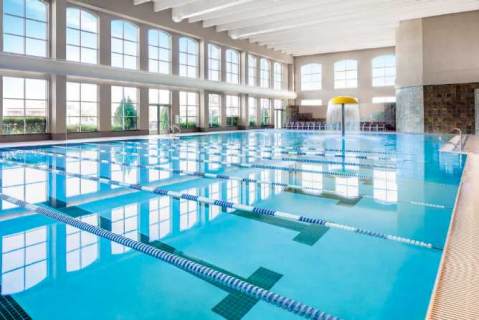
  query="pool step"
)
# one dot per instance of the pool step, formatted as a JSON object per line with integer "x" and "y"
{"x": 11, "y": 310}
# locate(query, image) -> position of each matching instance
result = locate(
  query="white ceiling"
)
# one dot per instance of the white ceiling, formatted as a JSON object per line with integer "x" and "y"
{"x": 302, "y": 27}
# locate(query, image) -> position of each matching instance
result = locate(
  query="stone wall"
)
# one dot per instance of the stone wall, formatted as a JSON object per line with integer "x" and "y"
{"x": 410, "y": 109}
{"x": 449, "y": 106}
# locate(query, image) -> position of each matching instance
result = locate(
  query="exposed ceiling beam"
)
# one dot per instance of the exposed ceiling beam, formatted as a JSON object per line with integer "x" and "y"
{"x": 160, "y": 5}
{"x": 201, "y": 7}
{"x": 138, "y": 2}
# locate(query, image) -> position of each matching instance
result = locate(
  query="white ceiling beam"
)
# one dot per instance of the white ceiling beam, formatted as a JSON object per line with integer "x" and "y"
{"x": 160, "y": 5}
{"x": 138, "y": 2}
{"x": 201, "y": 7}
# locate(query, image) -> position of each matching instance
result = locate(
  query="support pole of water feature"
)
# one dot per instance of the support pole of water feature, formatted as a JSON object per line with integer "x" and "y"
{"x": 343, "y": 121}
{"x": 343, "y": 101}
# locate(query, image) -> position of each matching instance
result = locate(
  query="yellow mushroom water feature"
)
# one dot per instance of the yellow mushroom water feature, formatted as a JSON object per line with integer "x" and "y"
{"x": 343, "y": 114}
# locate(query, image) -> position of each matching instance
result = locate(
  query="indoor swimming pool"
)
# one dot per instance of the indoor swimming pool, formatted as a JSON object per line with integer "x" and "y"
{"x": 266, "y": 224}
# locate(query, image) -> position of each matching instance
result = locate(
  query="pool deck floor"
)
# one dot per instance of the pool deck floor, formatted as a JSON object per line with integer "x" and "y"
{"x": 456, "y": 293}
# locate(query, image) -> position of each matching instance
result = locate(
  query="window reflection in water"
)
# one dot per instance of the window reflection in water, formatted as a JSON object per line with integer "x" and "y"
{"x": 160, "y": 218}
{"x": 25, "y": 184}
{"x": 82, "y": 247}
{"x": 346, "y": 186}
{"x": 232, "y": 192}
{"x": 265, "y": 188}
{"x": 188, "y": 211}
{"x": 77, "y": 186}
{"x": 385, "y": 185}
{"x": 312, "y": 180}
{"x": 214, "y": 193}
{"x": 252, "y": 190}
{"x": 124, "y": 221}
{"x": 24, "y": 260}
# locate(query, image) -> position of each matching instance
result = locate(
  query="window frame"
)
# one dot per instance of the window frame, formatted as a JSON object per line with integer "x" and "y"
{"x": 265, "y": 70}
{"x": 232, "y": 110}
{"x": 185, "y": 109}
{"x": 379, "y": 64}
{"x": 157, "y": 59}
{"x": 231, "y": 64}
{"x": 187, "y": 54}
{"x": 124, "y": 40}
{"x": 308, "y": 72}
{"x": 135, "y": 104}
{"x": 277, "y": 72}
{"x": 80, "y": 103}
{"x": 218, "y": 107}
{"x": 80, "y": 30}
{"x": 349, "y": 82}
{"x": 212, "y": 71}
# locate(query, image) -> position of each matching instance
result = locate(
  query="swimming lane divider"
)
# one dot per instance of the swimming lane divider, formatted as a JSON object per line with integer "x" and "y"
{"x": 210, "y": 175}
{"x": 231, "y": 205}
{"x": 182, "y": 263}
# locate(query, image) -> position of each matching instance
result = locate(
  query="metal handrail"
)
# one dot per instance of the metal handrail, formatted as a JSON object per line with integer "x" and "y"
{"x": 460, "y": 137}
{"x": 177, "y": 127}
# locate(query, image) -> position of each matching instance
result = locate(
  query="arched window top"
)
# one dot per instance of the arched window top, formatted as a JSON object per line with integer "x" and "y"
{"x": 124, "y": 29}
{"x": 82, "y": 19}
{"x": 384, "y": 70}
{"x": 311, "y": 76}
{"x": 348, "y": 64}
{"x": 388, "y": 60}
{"x": 30, "y": 9}
{"x": 232, "y": 55}
{"x": 159, "y": 38}
{"x": 188, "y": 45}
{"x": 264, "y": 63}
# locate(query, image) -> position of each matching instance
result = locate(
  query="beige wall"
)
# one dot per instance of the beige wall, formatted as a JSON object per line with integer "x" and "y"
{"x": 409, "y": 53}
{"x": 365, "y": 91}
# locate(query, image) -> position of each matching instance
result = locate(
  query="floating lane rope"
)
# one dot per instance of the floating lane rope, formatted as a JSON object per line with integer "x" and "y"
{"x": 187, "y": 265}
{"x": 211, "y": 175}
{"x": 231, "y": 205}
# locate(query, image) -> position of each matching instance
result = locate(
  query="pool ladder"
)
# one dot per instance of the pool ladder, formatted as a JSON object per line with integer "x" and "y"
{"x": 460, "y": 138}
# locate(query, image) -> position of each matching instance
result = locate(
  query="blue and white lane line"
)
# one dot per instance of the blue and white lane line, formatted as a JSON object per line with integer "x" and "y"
{"x": 229, "y": 163}
{"x": 211, "y": 175}
{"x": 230, "y": 205}
{"x": 182, "y": 263}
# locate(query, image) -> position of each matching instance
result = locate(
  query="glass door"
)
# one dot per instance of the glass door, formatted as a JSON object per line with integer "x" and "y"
{"x": 278, "y": 118}
{"x": 159, "y": 119}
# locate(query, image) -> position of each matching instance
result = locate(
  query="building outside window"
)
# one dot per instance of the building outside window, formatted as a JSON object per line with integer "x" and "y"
{"x": 189, "y": 106}
{"x": 265, "y": 67}
{"x": 82, "y": 107}
{"x": 278, "y": 76}
{"x": 25, "y": 27}
{"x": 124, "y": 108}
{"x": 82, "y": 36}
{"x": 214, "y": 109}
{"x": 252, "y": 111}
{"x": 252, "y": 70}
{"x": 265, "y": 112}
{"x": 384, "y": 71}
{"x": 189, "y": 58}
{"x": 159, "y": 51}
{"x": 232, "y": 110}
{"x": 214, "y": 62}
{"x": 346, "y": 74}
{"x": 232, "y": 66}
{"x": 311, "y": 77}
{"x": 25, "y": 105}
{"x": 124, "y": 44}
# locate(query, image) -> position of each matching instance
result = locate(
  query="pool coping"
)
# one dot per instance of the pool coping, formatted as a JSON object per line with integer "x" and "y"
{"x": 456, "y": 287}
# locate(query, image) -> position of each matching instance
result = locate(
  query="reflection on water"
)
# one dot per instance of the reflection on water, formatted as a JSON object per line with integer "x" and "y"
{"x": 82, "y": 247}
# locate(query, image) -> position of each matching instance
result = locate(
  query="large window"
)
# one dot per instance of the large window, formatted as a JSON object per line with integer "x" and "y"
{"x": 252, "y": 111}
{"x": 25, "y": 105}
{"x": 214, "y": 109}
{"x": 25, "y": 27}
{"x": 159, "y": 51}
{"x": 232, "y": 66}
{"x": 232, "y": 110}
{"x": 82, "y": 36}
{"x": 159, "y": 101}
{"x": 311, "y": 77}
{"x": 214, "y": 62}
{"x": 124, "y": 44}
{"x": 278, "y": 76}
{"x": 265, "y": 112}
{"x": 264, "y": 73}
{"x": 384, "y": 71}
{"x": 189, "y": 105}
{"x": 252, "y": 70}
{"x": 82, "y": 107}
{"x": 189, "y": 57}
{"x": 346, "y": 74}
{"x": 124, "y": 108}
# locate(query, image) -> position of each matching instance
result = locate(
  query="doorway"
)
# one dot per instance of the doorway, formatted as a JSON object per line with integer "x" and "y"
{"x": 278, "y": 118}
{"x": 159, "y": 119}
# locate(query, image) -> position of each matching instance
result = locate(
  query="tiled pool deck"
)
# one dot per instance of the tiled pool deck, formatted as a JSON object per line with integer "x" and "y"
{"x": 456, "y": 294}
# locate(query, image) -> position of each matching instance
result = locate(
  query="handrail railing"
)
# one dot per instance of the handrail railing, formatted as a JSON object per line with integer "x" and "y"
{"x": 177, "y": 127}
{"x": 460, "y": 137}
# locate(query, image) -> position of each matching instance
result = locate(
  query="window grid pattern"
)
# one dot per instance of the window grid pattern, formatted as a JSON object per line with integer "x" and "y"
{"x": 265, "y": 67}
{"x": 346, "y": 74}
{"x": 252, "y": 111}
{"x": 214, "y": 110}
{"x": 124, "y": 222}
{"x": 82, "y": 107}
{"x": 25, "y": 105}
{"x": 81, "y": 247}
{"x": 124, "y": 44}
{"x": 159, "y": 218}
{"x": 384, "y": 71}
{"x": 232, "y": 66}
{"x": 77, "y": 186}
{"x": 385, "y": 186}
{"x": 82, "y": 36}
{"x": 266, "y": 117}
{"x": 189, "y": 58}
{"x": 188, "y": 211}
{"x": 26, "y": 184}
{"x": 252, "y": 70}
{"x": 189, "y": 106}
{"x": 124, "y": 108}
{"x": 232, "y": 110}
{"x": 278, "y": 76}
{"x": 214, "y": 193}
{"x": 214, "y": 62}
{"x": 311, "y": 77}
{"x": 25, "y": 27}
{"x": 159, "y": 51}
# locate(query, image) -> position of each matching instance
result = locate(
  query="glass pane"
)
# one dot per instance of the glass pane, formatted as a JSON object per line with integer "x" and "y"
{"x": 13, "y": 44}
{"x": 36, "y": 89}
{"x": 130, "y": 32}
{"x": 15, "y": 7}
{"x": 73, "y": 91}
{"x": 73, "y": 109}
{"x": 36, "y": 9}
{"x": 36, "y": 47}
{"x": 89, "y": 92}
{"x": 13, "y": 25}
{"x": 73, "y": 37}
{"x": 13, "y": 87}
{"x": 89, "y": 109}
{"x": 89, "y": 56}
{"x": 73, "y": 53}
{"x": 73, "y": 18}
{"x": 89, "y": 40}
{"x": 89, "y": 22}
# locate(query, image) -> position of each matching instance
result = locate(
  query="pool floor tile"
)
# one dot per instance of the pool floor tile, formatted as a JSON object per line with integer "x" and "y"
{"x": 11, "y": 310}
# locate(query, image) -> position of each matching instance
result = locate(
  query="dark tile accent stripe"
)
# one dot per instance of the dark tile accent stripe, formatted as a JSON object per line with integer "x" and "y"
{"x": 11, "y": 310}
{"x": 236, "y": 305}
{"x": 311, "y": 234}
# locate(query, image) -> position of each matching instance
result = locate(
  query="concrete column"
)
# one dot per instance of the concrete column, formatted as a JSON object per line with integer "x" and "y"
{"x": 1, "y": 30}
{"x": 202, "y": 55}
{"x": 143, "y": 109}
{"x": 223, "y": 65}
{"x": 58, "y": 29}
{"x": 143, "y": 46}
{"x": 290, "y": 82}
{"x": 243, "y": 58}
{"x": 203, "y": 111}
{"x": 223, "y": 110}
{"x": 271, "y": 73}
{"x": 175, "y": 49}
{"x": 1, "y": 105}
{"x": 476, "y": 95}
{"x": 105, "y": 39}
{"x": 58, "y": 88}
{"x": 104, "y": 110}
{"x": 175, "y": 105}
{"x": 243, "y": 120}
{"x": 205, "y": 60}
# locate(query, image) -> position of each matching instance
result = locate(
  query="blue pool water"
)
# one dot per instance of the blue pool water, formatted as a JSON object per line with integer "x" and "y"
{"x": 395, "y": 184}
